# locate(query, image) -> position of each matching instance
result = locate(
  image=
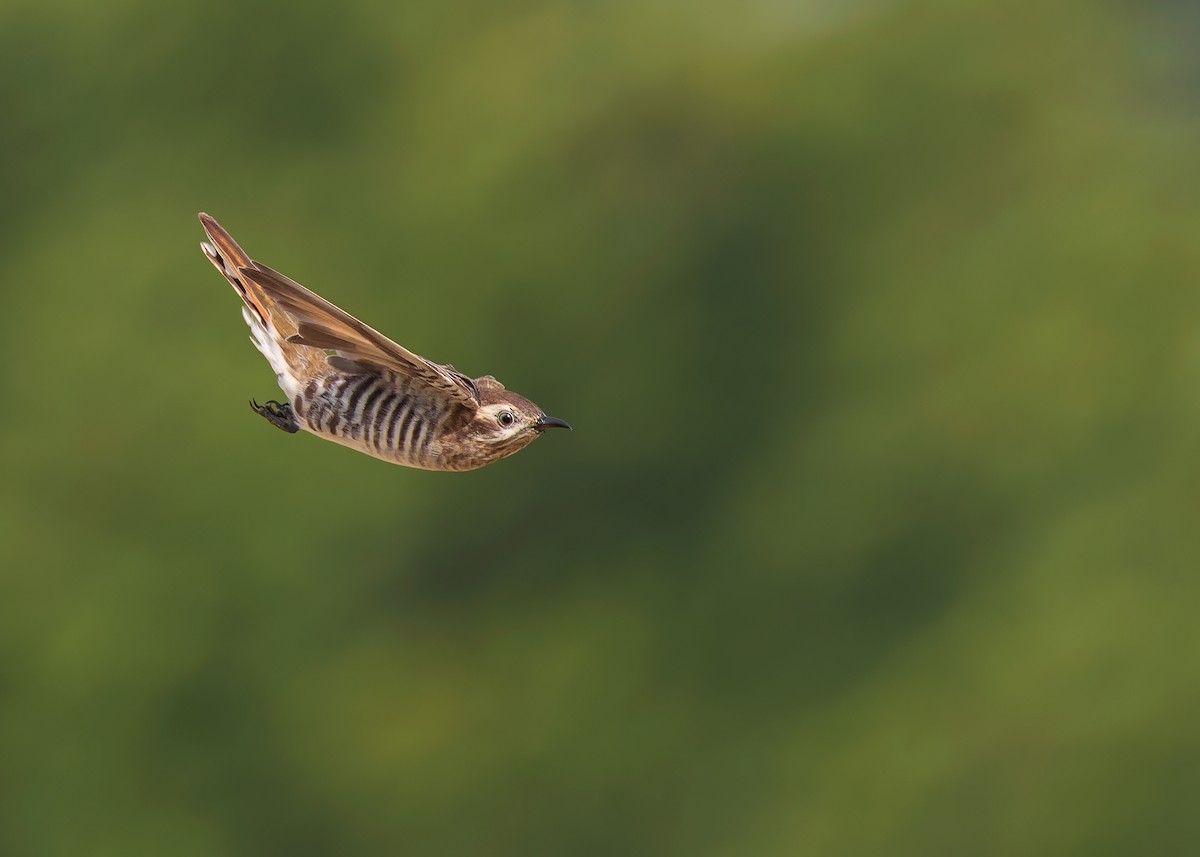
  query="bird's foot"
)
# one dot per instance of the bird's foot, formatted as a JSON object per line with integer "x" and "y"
{"x": 277, "y": 414}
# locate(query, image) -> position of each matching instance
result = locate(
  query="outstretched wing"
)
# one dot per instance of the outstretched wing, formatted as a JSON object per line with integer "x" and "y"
{"x": 320, "y": 324}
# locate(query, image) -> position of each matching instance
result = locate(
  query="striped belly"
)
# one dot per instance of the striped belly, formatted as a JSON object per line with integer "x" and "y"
{"x": 379, "y": 414}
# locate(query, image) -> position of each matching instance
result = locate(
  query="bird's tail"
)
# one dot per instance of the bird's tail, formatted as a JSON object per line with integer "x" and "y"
{"x": 270, "y": 326}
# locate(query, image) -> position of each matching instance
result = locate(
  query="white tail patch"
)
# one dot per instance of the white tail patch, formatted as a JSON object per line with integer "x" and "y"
{"x": 264, "y": 340}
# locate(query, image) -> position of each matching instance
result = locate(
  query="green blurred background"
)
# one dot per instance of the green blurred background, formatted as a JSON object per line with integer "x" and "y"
{"x": 878, "y": 323}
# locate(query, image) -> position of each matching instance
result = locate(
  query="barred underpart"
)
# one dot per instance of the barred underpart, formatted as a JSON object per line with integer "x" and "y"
{"x": 378, "y": 413}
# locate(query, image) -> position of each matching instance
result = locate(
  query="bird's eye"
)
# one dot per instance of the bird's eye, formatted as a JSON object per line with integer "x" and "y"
{"x": 506, "y": 419}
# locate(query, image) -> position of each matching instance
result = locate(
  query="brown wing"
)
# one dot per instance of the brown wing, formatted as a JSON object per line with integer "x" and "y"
{"x": 320, "y": 324}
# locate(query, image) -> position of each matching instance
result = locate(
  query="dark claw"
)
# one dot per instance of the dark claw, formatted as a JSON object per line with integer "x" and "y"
{"x": 277, "y": 414}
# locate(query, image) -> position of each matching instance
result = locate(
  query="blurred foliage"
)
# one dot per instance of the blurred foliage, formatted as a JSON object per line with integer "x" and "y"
{"x": 878, "y": 324}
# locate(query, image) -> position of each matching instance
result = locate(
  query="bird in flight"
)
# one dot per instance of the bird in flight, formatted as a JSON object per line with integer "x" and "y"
{"x": 348, "y": 383}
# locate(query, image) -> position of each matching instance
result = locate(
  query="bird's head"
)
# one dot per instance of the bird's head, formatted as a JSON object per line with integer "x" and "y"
{"x": 506, "y": 422}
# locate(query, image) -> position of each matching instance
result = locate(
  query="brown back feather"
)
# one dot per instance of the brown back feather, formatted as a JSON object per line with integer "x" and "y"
{"x": 320, "y": 324}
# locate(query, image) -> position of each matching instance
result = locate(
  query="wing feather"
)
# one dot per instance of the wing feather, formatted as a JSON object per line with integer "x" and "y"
{"x": 320, "y": 324}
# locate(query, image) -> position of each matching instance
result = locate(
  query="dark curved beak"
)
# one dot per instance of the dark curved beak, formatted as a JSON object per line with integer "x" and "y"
{"x": 548, "y": 422}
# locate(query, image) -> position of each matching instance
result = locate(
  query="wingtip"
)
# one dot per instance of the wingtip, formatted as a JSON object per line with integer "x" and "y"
{"x": 210, "y": 224}
{"x": 222, "y": 241}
